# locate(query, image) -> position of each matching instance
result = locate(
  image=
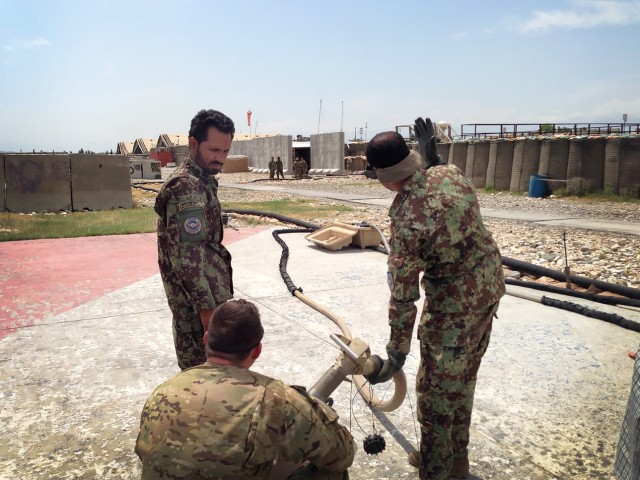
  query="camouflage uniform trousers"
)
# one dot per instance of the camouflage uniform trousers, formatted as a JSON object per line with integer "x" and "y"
{"x": 309, "y": 472}
{"x": 445, "y": 386}
{"x": 188, "y": 333}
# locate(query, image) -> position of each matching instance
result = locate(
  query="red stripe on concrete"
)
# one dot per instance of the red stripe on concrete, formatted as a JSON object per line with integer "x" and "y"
{"x": 43, "y": 278}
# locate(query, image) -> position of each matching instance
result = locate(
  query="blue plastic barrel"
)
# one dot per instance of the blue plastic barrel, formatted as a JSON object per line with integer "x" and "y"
{"x": 537, "y": 186}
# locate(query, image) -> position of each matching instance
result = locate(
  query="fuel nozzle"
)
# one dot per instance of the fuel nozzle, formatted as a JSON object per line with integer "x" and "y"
{"x": 354, "y": 358}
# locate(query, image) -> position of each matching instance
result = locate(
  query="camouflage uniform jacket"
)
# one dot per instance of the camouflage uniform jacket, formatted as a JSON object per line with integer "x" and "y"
{"x": 436, "y": 229}
{"x": 215, "y": 421}
{"x": 190, "y": 251}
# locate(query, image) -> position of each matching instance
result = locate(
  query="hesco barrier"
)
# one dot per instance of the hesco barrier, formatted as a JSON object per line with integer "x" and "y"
{"x": 458, "y": 155}
{"x": 526, "y": 158}
{"x": 577, "y": 163}
{"x": 443, "y": 151}
{"x": 477, "y": 162}
{"x": 235, "y": 164}
{"x": 585, "y": 170}
{"x": 500, "y": 163}
{"x": 622, "y": 166}
{"x": 554, "y": 157}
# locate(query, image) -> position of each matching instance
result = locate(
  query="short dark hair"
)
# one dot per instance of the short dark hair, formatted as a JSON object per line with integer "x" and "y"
{"x": 235, "y": 329}
{"x": 210, "y": 118}
{"x": 386, "y": 149}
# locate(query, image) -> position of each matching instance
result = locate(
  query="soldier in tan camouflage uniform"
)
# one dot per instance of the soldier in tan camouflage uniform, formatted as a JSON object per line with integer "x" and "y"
{"x": 279, "y": 169}
{"x": 272, "y": 168}
{"x": 221, "y": 420}
{"x": 195, "y": 266}
{"x": 436, "y": 229}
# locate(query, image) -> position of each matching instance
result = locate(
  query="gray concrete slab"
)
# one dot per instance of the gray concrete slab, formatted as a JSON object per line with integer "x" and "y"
{"x": 549, "y": 402}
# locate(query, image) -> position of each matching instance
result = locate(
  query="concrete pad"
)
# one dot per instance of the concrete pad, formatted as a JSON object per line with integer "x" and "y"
{"x": 549, "y": 402}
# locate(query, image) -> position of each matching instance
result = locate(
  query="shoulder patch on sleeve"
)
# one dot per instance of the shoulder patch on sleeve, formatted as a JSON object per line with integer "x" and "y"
{"x": 192, "y": 224}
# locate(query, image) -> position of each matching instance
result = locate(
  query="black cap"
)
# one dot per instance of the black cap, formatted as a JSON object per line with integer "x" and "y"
{"x": 386, "y": 149}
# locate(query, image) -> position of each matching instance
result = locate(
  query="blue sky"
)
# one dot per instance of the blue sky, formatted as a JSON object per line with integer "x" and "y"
{"x": 88, "y": 74}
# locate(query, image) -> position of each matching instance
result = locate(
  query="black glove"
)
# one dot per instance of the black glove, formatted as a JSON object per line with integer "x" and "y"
{"x": 427, "y": 145}
{"x": 390, "y": 367}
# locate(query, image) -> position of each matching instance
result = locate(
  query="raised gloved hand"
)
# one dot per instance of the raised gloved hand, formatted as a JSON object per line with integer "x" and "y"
{"x": 427, "y": 145}
{"x": 390, "y": 367}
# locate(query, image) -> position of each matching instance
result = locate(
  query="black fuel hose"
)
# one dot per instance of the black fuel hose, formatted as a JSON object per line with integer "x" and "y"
{"x": 590, "y": 312}
{"x": 282, "y": 218}
{"x": 630, "y": 292}
{"x": 399, "y": 379}
{"x": 284, "y": 258}
{"x": 604, "y": 299}
{"x": 585, "y": 282}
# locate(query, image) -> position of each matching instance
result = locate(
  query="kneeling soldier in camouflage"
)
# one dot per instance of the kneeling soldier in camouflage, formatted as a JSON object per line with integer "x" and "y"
{"x": 222, "y": 420}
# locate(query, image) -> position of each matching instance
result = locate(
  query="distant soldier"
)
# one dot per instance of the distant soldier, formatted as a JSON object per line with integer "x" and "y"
{"x": 297, "y": 168}
{"x": 303, "y": 168}
{"x": 279, "y": 171}
{"x": 348, "y": 162}
{"x": 222, "y": 420}
{"x": 272, "y": 168}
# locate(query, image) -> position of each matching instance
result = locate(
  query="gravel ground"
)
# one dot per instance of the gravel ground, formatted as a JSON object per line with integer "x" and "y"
{"x": 610, "y": 257}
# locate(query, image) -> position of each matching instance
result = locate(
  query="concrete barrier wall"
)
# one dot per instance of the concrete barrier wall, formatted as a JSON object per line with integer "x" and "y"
{"x": 500, "y": 164}
{"x": 477, "y": 162}
{"x": 38, "y": 183}
{"x": 260, "y": 150}
{"x": 151, "y": 169}
{"x": 2, "y": 185}
{"x": 327, "y": 153}
{"x": 135, "y": 168}
{"x": 100, "y": 182}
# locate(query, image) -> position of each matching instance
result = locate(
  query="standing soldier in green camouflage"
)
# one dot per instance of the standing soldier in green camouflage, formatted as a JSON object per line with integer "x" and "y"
{"x": 195, "y": 266}
{"x": 222, "y": 420}
{"x": 279, "y": 170}
{"x": 437, "y": 230}
{"x": 272, "y": 168}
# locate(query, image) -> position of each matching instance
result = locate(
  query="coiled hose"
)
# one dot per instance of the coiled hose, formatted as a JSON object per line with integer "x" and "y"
{"x": 400, "y": 380}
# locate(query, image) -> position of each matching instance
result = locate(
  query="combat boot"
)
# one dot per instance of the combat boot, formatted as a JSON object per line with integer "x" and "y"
{"x": 415, "y": 459}
{"x": 460, "y": 467}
